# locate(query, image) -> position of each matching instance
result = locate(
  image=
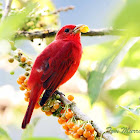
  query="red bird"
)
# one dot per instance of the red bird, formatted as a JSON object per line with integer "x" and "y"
{"x": 54, "y": 66}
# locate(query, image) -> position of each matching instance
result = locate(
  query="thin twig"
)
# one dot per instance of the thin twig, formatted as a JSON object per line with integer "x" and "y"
{"x": 63, "y": 9}
{"x": 50, "y": 33}
{"x": 80, "y": 115}
{"x": 7, "y": 9}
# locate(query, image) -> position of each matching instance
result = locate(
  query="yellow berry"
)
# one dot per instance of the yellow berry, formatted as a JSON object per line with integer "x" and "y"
{"x": 84, "y": 28}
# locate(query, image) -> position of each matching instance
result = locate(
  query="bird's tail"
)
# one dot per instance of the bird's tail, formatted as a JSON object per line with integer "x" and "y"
{"x": 34, "y": 96}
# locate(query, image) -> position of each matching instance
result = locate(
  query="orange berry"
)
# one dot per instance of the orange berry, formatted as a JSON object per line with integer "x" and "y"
{"x": 65, "y": 126}
{"x": 75, "y": 128}
{"x": 19, "y": 81}
{"x": 37, "y": 106}
{"x": 91, "y": 137}
{"x": 61, "y": 120}
{"x": 22, "y": 78}
{"x": 69, "y": 115}
{"x": 86, "y": 134}
{"x": 67, "y": 132}
{"x": 76, "y": 136}
{"x": 23, "y": 59}
{"x": 70, "y": 98}
{"x": 56, "y": 106}
{"x": 26, "y": 99}
{"x": 21, "y": 88}
{"x": 27, "y": 93}
{"x": 71, "y": 132}
{"x": 88, "y": 127}
{"x": 70, "y": 125}
{"x": 80, "y": 131}
{"x": 24, "y": 86}
{"x": 25, "y": 82}
{"x": 92, "y": 130}
{"x": 49, "y": 113}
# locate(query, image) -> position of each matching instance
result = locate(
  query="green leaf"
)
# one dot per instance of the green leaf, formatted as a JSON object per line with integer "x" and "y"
{"x": 132, "y": 58}
{"x": 4, "y": 135}
{"x": 135, "y": 110}
{"x": 128, "y": 18}
{"x": 43, "y": 138}
{"x": 28, "y": 132}
{"x": 105, "y": 69}
{"x": 12, "y": 23}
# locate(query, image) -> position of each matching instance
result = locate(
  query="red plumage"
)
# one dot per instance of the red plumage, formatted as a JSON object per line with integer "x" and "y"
{"x": 54, "y": 66}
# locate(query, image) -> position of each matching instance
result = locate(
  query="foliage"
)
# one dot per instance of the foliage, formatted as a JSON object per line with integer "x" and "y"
{"x": 4, "y": 135}
{"x": 128, "y": 18}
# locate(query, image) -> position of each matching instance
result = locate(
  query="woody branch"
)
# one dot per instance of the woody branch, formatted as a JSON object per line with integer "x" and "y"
{"x": 51, "y": 33}
{"x": 6, "y": 9}
{"x": 80, "y": 115}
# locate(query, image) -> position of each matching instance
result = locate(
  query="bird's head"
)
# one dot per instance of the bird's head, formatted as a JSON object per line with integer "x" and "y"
{"x": 71, "y": 32}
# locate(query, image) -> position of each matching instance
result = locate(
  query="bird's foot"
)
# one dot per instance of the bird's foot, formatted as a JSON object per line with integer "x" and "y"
{"x": 58, "y": 92}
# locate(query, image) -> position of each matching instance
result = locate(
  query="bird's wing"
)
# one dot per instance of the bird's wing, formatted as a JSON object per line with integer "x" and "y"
{"x": 57, "y": 67}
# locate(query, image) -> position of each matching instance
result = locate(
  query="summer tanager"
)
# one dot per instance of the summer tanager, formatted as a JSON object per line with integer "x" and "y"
{"x": 54, "y": 66}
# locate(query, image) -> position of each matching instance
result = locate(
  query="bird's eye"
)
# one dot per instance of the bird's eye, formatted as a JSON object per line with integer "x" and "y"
{"x": 67, "y": 30}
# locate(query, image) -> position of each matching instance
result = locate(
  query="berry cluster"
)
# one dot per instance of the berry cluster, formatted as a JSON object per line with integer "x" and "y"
{"x": 76, "y": 128}
{"x": 82, "y": 131}
{"x": 24, "y": 61}
{"x": 22, "y": 81}
{"x": 53, "y": 106}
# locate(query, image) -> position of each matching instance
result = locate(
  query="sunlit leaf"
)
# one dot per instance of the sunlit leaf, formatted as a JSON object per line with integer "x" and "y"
{"x": 135, "y": 110}
{"x": 106, "y": 68}
{"x": 4, "y": 135}
{"x": 136, "y": 134}
{"x": 11, "y": 24}
{"x": 128, "y": 18}
{"x": 132, "y": 58}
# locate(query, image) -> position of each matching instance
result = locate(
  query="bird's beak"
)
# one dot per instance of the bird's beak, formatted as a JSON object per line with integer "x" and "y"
{"x": 81, "y": 28}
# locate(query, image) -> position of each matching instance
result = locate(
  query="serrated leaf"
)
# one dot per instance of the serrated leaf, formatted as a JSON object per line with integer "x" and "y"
{"x": 4, "y": 135}
{"x": 28, "y": 132}
{"x": 106, "y": 68}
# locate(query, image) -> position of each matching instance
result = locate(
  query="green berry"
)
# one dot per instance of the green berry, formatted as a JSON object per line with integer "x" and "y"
{"x": 47, "y": 108}
{"x": 26, "y": 73}
{"x": 11, "y": 60}
{"x": 57, "y": 96}
{"x": 22, "y": 65}
{"x": 28, "y": 68}
{"x": 12, "y": 72}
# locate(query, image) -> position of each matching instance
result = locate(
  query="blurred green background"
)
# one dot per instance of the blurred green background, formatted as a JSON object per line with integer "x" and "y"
{"x": 106, "y": 86}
